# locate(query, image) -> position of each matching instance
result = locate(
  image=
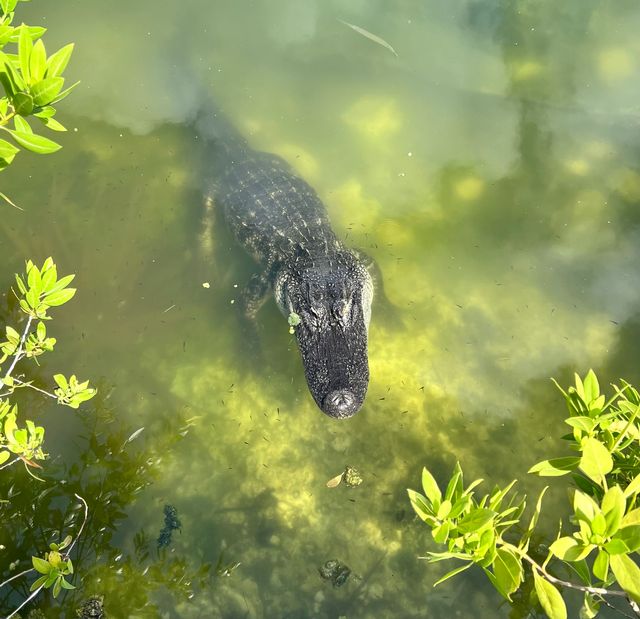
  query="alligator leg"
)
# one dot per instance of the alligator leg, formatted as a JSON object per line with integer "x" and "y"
{"x": 255, "y": 294}
{"x": 373, "y": 267}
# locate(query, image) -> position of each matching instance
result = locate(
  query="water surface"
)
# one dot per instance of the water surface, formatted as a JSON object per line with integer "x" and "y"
{"x": 491, "y": 168}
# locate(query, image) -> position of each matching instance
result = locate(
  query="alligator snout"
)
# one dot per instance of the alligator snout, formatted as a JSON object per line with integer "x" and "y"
{"x": 341, "y": 404}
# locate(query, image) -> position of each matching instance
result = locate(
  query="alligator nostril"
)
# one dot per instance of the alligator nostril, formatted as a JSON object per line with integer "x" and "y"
{"x": 340, "y": 404}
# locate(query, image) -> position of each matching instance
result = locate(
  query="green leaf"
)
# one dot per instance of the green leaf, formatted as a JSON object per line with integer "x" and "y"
{"x": 4, "y": 456}
{"x": 61, "y": 381}
{"x": 430, "y": 487}
{"x": 616, "y": 547}
{"x": 7, "y": 150}
{"x": 581, "y": 422}
{"x": 46, "y": 112}
{"x": 65, "y": 584}
{"x": 524, "y": 542}
{"x": 55, "y": 299}
{"x": 601, "y": 566}
{"x": 63, "y": 282}
{"x": 590, "y": 607}
{"x": 418, "y": 502}
{"x": 591, "y": 387}
{"x": 35, "y": 143}
{"x": 633, "y": 487}
{"x": 38, "y": 583}
{"x": 549, "y": 598}
{"x": 448, "y": 575}
{"x": 569, "y": 549}
{"x": 584, "y": 506}
{"x": 21, "y": 124}
{"x": 56, "y": 588}
{"x": 630, "y": 536}
{"x": 25, "y": 46}
{"x": 53, "y": 124}
{"x": 507, "y": 569}
{"x": 45, "y": 91}
{"x": 596, "y": 460}
{"x": 42, "y": 566}
{"x": 555, "y": 467}
{"x": 633, "y": 517}
{"x": 441, "y": 533}
{"x": 38, "y": 62}
{"x": 627, "y": 574}
{"x": 454, "y": 487}
{"x": 23, "y": 103}
{"x": 64, "y": 93}
{"x": 613, "y": 507}
{"x": 58, "y": 62}
{"x": 476, "y": 520}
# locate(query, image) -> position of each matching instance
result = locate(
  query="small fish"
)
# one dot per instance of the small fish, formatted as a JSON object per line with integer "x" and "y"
{"x": 133, "y": 436}
{"x": 369, "y": 35}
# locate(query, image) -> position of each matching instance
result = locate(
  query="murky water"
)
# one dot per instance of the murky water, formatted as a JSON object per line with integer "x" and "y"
{"x": 492, "y": 168}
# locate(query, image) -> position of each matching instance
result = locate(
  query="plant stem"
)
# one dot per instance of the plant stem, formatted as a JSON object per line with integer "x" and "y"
{"x": 15, "y": 612}
{"x": 6, "y": 582}
{"x": 20, "y": 382}
{"x": 564, "y": 583}
{"x": 86, "y": 515}
{"x": 4, "y": 466}
{"x": 18, "y": 354}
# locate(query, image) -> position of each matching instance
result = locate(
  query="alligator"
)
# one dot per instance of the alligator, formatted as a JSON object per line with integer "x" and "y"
{"x": 323, "y": 288}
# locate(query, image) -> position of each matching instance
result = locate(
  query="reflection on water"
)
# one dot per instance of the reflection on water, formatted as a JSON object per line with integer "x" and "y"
{"x": 491, "y": 169}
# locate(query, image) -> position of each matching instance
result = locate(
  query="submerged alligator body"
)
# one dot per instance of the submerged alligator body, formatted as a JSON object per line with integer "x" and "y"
{"x": 278, "y": 218}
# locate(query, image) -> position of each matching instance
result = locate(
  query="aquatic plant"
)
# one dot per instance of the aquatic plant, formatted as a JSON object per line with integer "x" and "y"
{"x": 606, "y": 510}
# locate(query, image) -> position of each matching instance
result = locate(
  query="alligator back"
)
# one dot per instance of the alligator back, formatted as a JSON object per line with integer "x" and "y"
{"x": 274, "y": 214}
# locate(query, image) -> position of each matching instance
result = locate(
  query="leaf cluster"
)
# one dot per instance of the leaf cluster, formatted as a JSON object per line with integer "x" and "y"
{"x": 54, "y": 567}
{"x": 32, "y": 84}
{"x": 606, "y": 510}
{"x": 38, "y": 290}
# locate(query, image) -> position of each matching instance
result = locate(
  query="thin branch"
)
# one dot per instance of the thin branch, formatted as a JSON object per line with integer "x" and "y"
{"x": 86, "y": 515}
{"x": 18, "y": 354}
{"x": 4, "y": 466}
{"x": 6, "y": 582}
{"x": 15, "y": 612}
{"x": 565, "y": 583}
{"x": 23, "y": 384}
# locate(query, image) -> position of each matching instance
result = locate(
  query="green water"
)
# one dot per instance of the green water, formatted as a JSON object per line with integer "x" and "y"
{"x": 492, "y": 168}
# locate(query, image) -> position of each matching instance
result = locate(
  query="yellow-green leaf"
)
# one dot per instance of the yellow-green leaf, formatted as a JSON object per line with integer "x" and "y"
{"x": 596, "y": 460}
{"x": 38, "y": 61}
{"x": 549, "y": 598}
{"x": 57, "y": 62}
{"x": 35, "y": 143}
{"x": 627, "y": 574}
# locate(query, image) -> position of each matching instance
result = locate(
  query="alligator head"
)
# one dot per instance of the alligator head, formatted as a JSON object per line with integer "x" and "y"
{"x": 331, "y": 303}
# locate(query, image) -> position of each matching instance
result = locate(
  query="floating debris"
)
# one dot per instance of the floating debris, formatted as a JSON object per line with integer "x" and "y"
{"x": 92, "y": 608}
{"x": 351, "y": 477}
{"x": 206, "y": 285}
{"x": 171, "y": 523}
{"x": 336, "y": 572}
{"x": 335, "y": 481}
{"x": 369, "y": 35}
